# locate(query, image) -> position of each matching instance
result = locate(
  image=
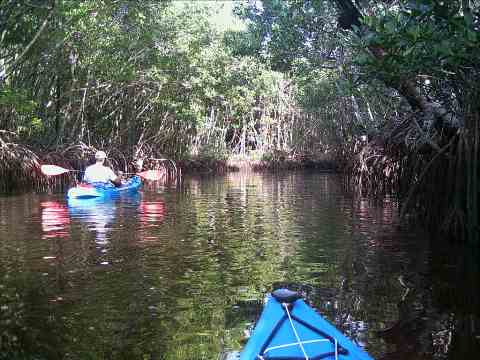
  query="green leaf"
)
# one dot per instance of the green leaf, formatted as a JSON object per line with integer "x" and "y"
{"x": 408, "y": 51}
{"x": 472, "y": 36}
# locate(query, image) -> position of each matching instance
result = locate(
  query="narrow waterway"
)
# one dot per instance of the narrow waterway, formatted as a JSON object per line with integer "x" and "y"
{"x": 179, "y": 272}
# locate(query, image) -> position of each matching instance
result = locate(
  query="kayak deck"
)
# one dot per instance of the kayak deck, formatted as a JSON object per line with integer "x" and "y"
{"x": 89, "y": 191}
{"x": 289, "y": 329}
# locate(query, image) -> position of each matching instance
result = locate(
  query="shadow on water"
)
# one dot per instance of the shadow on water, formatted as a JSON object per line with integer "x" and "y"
{"x": 180, "y": 273}
{"x": 439, "y": 315}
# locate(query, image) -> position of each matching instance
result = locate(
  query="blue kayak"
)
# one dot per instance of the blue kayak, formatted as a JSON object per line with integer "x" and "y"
{"x": 289, "y": 329}
{"x": 101, "y": 190}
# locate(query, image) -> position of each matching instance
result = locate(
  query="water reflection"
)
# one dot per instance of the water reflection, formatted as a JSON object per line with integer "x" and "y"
{"x": 98, "y": 214}
{"x": 151, "y": 213}
{"x": 55, "y": 220}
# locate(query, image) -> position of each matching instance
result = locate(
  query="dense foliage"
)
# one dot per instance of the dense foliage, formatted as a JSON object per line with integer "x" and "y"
{"x": 391, "y": 85}
{"x": 144, "y": 76}
{"x": 404, "y": 75}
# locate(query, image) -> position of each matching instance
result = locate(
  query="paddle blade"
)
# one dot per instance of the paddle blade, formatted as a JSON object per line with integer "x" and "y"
{"x": 52, "y": 170}
{"x": 151, "y": 174}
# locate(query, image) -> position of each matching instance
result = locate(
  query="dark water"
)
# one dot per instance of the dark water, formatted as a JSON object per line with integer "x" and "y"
{"x": 179, "y": 272}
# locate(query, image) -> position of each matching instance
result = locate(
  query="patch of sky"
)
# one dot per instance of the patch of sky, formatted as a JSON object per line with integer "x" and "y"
{"x": 222, "y": 13}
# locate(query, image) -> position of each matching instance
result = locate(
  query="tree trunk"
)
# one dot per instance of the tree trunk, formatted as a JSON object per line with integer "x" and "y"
{"x": 244, "y": 132}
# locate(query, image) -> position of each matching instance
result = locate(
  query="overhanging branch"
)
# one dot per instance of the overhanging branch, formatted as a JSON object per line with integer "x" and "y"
{"x": 350, "y": 16}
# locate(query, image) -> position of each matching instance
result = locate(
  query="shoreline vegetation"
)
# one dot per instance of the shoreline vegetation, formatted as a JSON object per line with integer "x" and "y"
{"x": 276, "y": 161}
{"x": 20, "y": 171}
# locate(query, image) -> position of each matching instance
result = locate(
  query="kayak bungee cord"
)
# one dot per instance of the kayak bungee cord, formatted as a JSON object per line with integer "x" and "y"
{"x": 299, "y": 342}
{"x": 295, "y": 330}
{"x": 287, "y": 302}
{"x": 294, "y": 344}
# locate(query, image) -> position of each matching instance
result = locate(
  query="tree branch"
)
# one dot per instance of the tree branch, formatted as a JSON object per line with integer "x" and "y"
{"x": 30, "y": 44}
{"x": 350, "y": 16}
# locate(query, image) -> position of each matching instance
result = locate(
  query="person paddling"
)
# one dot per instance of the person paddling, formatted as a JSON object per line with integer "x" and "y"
{"x": 99, "y": 173}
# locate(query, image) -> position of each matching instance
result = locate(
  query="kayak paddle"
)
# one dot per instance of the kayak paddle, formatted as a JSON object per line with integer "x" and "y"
{"x": 53, "y": 170}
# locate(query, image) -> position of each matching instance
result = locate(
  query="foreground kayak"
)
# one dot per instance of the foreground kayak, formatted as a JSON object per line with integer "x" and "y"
{"x": 88, "y": 191}
{"x": 289, "y": 329}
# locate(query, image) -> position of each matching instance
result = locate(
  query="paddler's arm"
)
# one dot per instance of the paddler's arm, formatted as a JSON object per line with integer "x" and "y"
{"x": 117, "y": 181}
{"x": 120, "y": 178}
